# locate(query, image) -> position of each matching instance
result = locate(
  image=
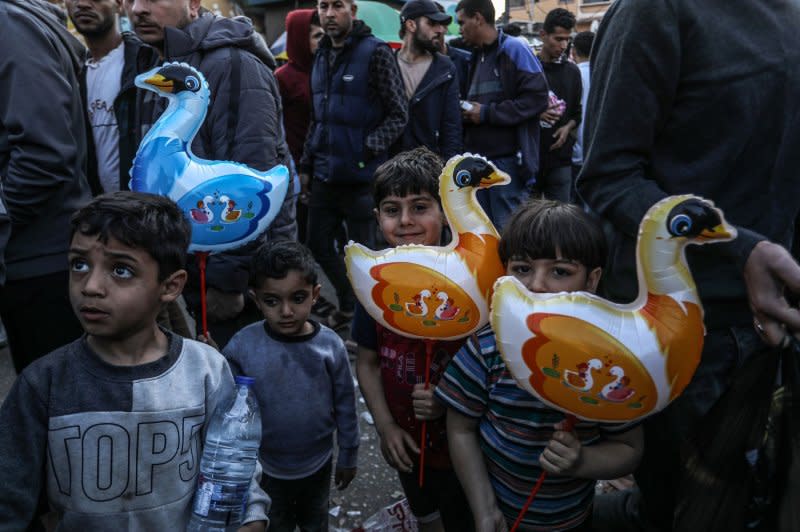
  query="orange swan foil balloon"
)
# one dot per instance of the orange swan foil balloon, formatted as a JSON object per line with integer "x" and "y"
{"x": 433, "y": 292}
{"x": 602, "y": 361}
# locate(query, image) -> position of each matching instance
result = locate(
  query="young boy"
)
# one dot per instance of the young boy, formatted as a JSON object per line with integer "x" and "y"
{"x": 305, "y": 389}
{"x": 501, "y": 437}
{"x": 110, "y": 426}
{"x": 391, "y": 367}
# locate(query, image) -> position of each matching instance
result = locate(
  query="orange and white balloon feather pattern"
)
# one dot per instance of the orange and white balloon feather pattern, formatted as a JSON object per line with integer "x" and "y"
{"x": 603, "y": 361}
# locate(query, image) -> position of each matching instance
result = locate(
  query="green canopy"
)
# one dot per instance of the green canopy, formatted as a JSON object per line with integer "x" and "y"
{"x": 384, "y": 21}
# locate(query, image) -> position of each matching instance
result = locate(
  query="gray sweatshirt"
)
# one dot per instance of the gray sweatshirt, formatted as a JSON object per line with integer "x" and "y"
{"x": 114, "y": 448}
{"x": 304, "y": 387}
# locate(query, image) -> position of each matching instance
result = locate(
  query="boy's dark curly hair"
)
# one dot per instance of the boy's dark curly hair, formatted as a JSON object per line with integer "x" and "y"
{"x": 274, "y": 260}
{"x": 149, "y": 222}
{"x": 410, "y": 172}
{"x": 547, "y": 229}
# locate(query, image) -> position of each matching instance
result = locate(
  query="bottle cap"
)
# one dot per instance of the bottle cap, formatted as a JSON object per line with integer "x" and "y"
{"x": 241, "y": 379}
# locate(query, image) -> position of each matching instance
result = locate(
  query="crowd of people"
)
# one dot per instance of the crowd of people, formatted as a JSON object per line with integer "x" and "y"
{"x": 103, "y": 427}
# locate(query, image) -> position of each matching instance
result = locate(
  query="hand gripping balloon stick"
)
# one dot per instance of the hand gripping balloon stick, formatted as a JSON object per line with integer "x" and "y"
{"x": 227, "y": 204}
{"x": 431, "y": 292}
{"x": 607, "y": 362}
{"x": 569, "y": 424}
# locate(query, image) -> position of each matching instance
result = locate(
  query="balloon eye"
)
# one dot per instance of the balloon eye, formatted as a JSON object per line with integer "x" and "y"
{"x": 192, "y": 83}
{"x": 680, "y": 225}
{"x": 463, "y": 178}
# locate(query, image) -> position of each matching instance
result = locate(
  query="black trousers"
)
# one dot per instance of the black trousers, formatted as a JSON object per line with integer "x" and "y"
{"x": 38, "y": 316}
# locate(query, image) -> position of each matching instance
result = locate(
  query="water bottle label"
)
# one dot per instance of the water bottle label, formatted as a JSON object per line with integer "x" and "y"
{"x": 202, "y": 500}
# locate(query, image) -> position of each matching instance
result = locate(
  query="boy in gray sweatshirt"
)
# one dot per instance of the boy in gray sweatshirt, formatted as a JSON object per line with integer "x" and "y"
{"x": 305, "y": 389}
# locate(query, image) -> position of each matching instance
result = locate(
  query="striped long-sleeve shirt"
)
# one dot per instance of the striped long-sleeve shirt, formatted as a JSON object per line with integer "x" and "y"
{"x": 515, "y": 427}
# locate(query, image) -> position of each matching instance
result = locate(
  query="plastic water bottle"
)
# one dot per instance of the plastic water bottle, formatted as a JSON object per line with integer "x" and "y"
{"x": 228, "y": 463}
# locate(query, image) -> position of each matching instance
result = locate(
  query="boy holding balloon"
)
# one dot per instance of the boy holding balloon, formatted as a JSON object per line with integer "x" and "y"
{"x": 501, "y": 437}
{"x": 390, "y": 367}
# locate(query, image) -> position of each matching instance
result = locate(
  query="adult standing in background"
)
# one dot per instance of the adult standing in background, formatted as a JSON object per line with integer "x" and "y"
{"x": 673, "y": 112}
{"x": 112, "y": 100}
{"x": 303, "y": 32}
{"x": 430, "y": 80}
{"x": 581, "y": 49}
{"x": 43, "y": 166}
{"x": 564, "y": 80}
{"x": 244, "y": 124}
{"x": 359, "y": 110}
{"x": 507, "y": 93}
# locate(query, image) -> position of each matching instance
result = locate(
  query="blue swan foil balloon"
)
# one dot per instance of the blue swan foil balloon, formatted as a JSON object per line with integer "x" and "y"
{"x": 227, "y": 203}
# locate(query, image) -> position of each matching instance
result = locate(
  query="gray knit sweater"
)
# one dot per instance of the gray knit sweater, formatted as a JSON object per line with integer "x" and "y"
{"x": 304, "y": 387}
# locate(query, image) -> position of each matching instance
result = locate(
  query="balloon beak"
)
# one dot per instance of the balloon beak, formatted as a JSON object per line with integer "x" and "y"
{"x": 497, "y": 177}
{"x": 160, "y": 82}
{"x": 722, "y": 231}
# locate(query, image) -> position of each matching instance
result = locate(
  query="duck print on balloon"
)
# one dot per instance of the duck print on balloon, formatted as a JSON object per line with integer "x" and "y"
{"x": 227, "y": 203}
{"x": 608, "y": 362}
{"x": 443, "y": 308}
{"x": 433, "y": 292}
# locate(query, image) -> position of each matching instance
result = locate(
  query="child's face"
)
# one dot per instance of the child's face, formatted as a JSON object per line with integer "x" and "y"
{"x": 286, "y": 303}
{"x": 411, "y": 219}
{"x": 553, "y": 275}
{"x": 114, "y": 289}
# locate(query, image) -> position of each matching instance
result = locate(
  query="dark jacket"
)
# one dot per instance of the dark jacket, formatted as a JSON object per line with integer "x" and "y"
{"x": 516, "y": 103}
{"x": 43, "y": 129}
{"x": 564, "y": 79}
{"x": 461, "y": 59}
{"x": 434, "y": 117}
{"x": 345, "y": 110}
{"x": 673, "y": 112}
{"x": 294, "y": 80}
{"x": 243, "y": 124}
{"x": 132, "y": 103}
{"x": 359, "y": 109}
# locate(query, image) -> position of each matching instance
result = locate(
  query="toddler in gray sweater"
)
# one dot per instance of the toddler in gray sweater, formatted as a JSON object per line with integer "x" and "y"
{"x": 304, "y": 389}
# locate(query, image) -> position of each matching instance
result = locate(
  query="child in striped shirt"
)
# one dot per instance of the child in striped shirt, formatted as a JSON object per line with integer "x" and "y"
{"x": 500, "y": 436}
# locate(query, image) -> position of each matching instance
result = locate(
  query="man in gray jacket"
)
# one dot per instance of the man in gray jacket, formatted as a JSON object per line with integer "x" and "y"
{"x": 244, "y": 123}
{"x": 43, "y": 157}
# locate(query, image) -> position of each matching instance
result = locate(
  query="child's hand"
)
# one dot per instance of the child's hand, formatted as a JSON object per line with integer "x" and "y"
{"x": 563, "y": 453}
{"x": 426, "y": 407}
{"x": 254, "y": 526}
{"x": 492, "y": 522}
{"x": 395, "y": 446}
{"x": 207, "y": 340}
{"x": 344, "y": 476}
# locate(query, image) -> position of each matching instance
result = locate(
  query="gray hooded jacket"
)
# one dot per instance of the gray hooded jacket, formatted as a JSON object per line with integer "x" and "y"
{"x": 43, "y": 150}
{"x": 255, "y": 135}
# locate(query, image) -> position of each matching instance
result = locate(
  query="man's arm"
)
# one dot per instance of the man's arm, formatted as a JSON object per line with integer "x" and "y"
{"x": 530, "y": 91}
{"x": 36, "y": 105}
{"x": 450, "y": 130}
{"x": 573, "y": 112}
{"x": 386, "y": 81}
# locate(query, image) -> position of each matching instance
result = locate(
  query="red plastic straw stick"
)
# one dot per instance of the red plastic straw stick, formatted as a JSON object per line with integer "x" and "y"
{"x": 202, "y": 256}
{"x": 568, "y": 426}
{"x": 424, "y": 432}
